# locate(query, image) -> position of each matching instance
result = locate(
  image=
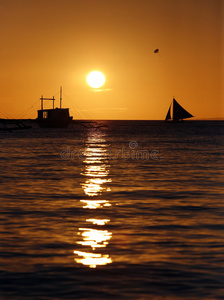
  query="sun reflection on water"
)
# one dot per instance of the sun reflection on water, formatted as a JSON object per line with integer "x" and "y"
{"x": 95, "y": 187}
{"x": 93, "y": 204}
{"x": 94, "y": 238}
{"x": 92, "y": 259}
{"x": 98, "y": 222}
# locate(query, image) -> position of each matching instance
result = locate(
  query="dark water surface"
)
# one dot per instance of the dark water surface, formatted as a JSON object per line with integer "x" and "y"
{"x": 113, "y": 210}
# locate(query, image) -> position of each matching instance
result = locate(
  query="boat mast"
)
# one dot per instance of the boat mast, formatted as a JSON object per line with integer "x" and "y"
{"x": 60, "y": 96}
{"x": 42, "y": 101}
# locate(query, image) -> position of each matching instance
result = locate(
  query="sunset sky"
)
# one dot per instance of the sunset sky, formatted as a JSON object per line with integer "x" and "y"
{"x": 46, "y": 44}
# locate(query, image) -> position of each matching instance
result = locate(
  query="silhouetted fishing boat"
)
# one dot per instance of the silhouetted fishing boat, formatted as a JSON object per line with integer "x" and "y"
{"x": 53, "y": 118}
{"x": 177, "y": 113}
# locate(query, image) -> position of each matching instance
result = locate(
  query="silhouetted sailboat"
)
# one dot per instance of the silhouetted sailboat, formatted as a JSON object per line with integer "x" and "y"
{"x": 178, "y": 112}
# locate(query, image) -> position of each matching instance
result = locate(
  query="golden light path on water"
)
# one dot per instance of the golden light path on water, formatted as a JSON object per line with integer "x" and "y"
{"x": 96, "y": 172}
{"x": 93, "y": 204}
{"x": 94, "y": 238}
{"x": 92, "y": 259}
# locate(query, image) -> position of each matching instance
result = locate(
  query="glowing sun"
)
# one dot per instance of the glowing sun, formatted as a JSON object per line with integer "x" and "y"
{"x": 95, "y": 79}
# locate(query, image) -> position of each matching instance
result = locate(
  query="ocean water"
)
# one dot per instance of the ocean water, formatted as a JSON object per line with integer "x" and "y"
{"x": 113, "y": 210}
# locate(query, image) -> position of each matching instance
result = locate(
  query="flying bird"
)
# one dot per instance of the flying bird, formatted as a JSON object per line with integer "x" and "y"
{"x": 156, "y": 51}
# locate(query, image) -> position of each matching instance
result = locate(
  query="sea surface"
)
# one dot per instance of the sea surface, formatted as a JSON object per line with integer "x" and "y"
{"x": 113, "y": 210}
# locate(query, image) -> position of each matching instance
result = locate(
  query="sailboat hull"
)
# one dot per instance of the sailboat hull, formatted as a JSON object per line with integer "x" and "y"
{"x": 174, "y": 121}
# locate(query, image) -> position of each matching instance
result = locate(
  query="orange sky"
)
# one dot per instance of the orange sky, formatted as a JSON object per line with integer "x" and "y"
{"x": 48, "y": 43}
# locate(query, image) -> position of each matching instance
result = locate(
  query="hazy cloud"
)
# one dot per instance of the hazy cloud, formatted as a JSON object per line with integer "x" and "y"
{"x": 121, "y": 109}
{"x": 100, "y": 90}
